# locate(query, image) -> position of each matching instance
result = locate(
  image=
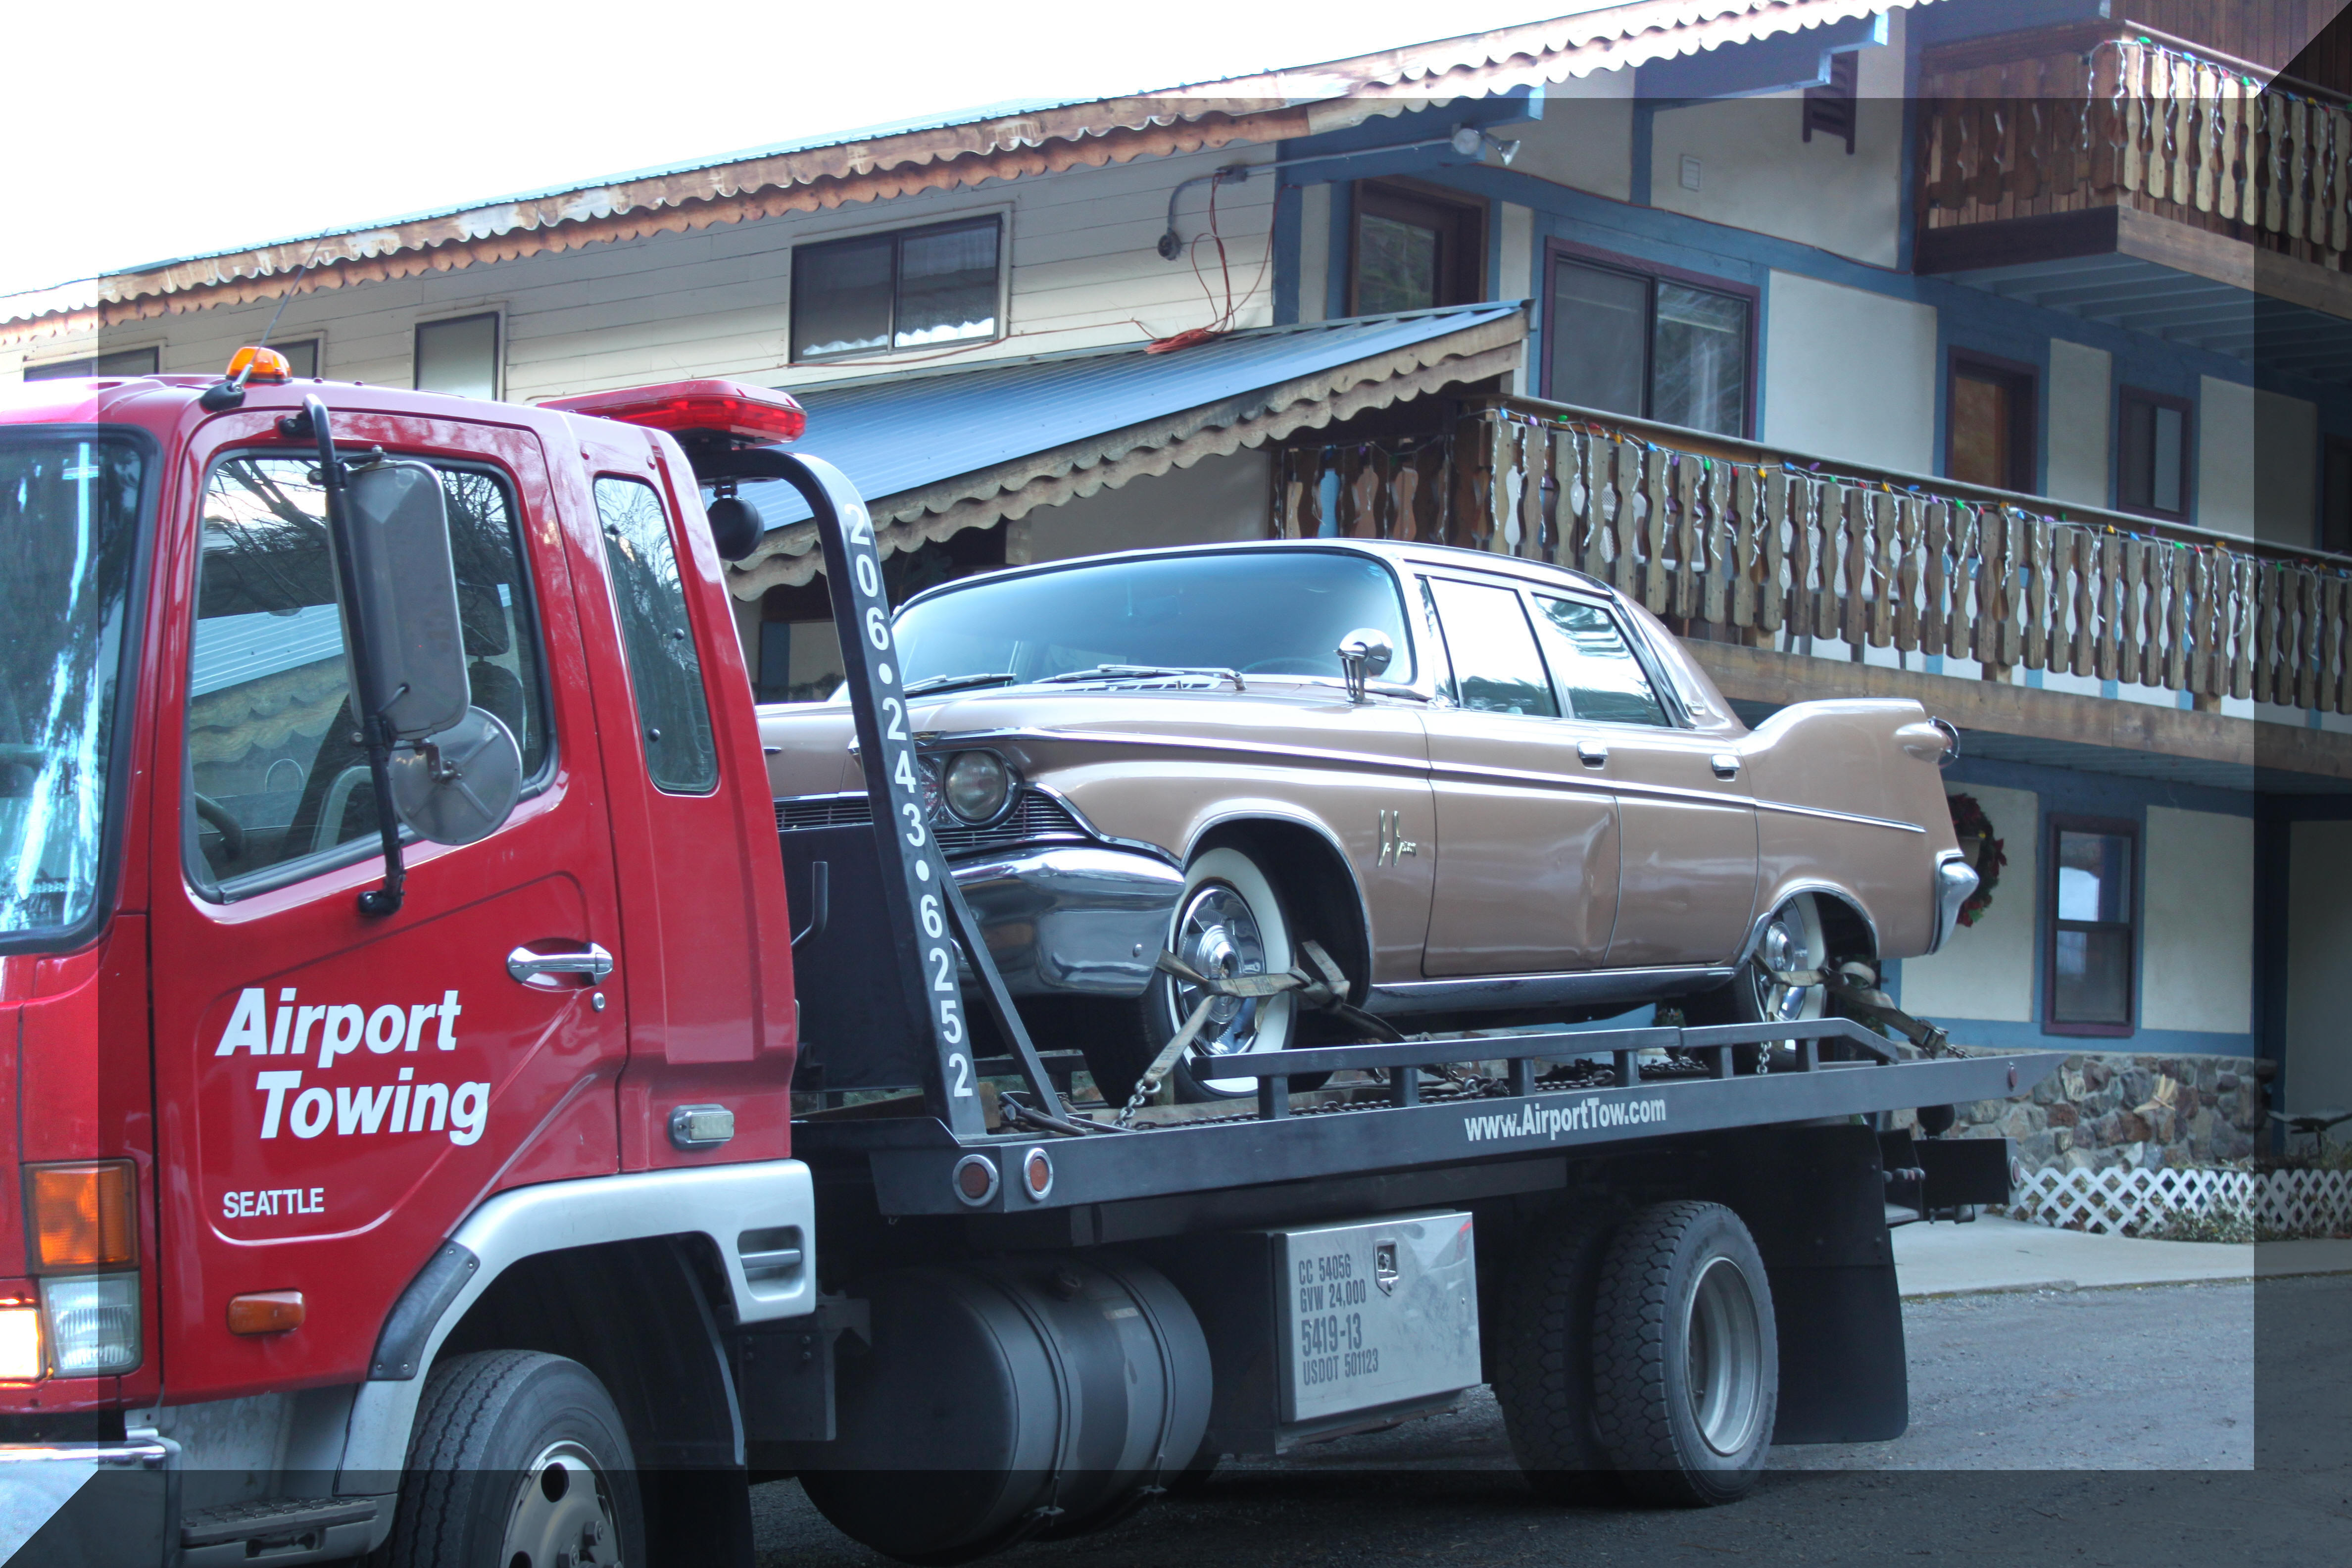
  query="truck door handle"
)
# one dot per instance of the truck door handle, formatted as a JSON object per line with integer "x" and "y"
{"x": 1592, "y": 753}
{"x": 527, "y": 966}
{"x": 1726, "y": 765}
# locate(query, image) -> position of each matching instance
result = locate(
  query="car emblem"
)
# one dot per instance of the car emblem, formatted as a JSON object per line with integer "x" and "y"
{"x": 1394, "y": 844}
{"x": 1384, "y": 1268}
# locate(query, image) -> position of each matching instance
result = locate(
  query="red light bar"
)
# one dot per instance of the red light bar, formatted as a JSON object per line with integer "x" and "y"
{"x": 697, "y": 408}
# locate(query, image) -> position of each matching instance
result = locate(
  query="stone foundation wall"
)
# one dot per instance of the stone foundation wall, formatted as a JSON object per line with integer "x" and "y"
{"x": 2142, "y": 1112}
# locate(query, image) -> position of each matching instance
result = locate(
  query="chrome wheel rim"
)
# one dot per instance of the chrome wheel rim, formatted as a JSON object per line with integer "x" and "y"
{"x": 1725, "y": 1354}
{"x": 1787, "y": 948}
{"x": 562, "y": 1514}
{"x": 1217, "y": 935}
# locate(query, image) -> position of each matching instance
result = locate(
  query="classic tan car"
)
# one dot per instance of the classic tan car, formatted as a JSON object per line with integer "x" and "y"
{"x": 1495, "y": 791}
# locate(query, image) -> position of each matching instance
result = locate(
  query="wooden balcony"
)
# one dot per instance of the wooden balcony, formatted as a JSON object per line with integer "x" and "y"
{"x": 2127, "y": 175}
{"x": 1737, "y": 543}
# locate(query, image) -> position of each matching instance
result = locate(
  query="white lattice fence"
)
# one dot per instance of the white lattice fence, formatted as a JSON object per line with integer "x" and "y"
{"x": 2128, "y": 1202}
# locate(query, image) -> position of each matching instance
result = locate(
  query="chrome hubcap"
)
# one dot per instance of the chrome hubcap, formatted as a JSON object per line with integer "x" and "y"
{"x": 1785, "y": 950}
{"x": 1726, "y": 1357}
{"x": 1219, "y": 936}
{"x": 563, "y": 1515}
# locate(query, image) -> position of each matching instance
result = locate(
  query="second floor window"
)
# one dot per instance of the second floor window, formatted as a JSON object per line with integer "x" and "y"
{"x": 2152, "y": 454}
{"x": 903, "y": 290}
{"x": 1627, "y": 342}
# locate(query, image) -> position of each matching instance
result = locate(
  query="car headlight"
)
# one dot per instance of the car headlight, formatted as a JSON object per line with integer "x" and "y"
{"x": 976, "y": 785}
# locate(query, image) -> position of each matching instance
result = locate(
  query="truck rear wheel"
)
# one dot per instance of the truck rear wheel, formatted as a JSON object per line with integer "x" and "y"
{"x": 1685, "y": 1366}
{"x": 1543, "y": 1373}
{"x": 520, "y": 1460}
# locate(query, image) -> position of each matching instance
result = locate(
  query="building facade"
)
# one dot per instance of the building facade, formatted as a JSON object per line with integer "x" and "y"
{"x": 1992, "y": 353}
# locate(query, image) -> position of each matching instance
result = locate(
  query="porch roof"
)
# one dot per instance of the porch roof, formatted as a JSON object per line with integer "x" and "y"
{"x": 937, "y": 452}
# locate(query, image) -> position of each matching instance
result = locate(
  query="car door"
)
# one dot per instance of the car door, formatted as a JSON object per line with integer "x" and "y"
{"x": 1686, "y": 822}
{"x": 1527, "y": 852}
{"x": 336, "y": 1089}
{"x": 705, "y": 942}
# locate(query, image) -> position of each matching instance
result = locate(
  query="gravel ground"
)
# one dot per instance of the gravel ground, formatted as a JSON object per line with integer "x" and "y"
{"x": 2087, "y": 1427}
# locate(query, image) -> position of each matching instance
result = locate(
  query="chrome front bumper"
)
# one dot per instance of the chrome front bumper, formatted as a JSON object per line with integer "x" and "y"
{"x": 91, "y": 1504}
{"x": 1073, "y": 919}
{"x": 1954, "y": 880}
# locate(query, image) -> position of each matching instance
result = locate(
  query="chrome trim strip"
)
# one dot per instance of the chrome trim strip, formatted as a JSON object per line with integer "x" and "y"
{"x": 1498, "y": 991}
{"x": 1839, "y": 815}
{"x": 128, "y": 1454}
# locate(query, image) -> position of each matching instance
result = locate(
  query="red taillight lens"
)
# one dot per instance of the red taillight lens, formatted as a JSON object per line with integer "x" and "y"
{"x": 697, "y": 408}
{"x": 81, "y": 1216}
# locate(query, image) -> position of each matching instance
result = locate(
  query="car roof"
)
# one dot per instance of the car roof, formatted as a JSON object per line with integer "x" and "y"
{"x": 1400, "y": 555}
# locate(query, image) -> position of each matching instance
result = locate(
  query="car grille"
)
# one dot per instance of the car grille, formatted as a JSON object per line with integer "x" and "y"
{"x": 1034, "y": 817}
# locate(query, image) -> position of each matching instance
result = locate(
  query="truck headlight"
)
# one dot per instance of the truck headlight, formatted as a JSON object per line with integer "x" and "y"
{"x": 93, "y": 1323}
{"x": 20, "y": 1342}
{"x": 976, "y": 785}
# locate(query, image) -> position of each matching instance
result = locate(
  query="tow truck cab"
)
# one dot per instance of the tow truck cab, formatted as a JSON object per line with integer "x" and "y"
{"x": 245, "y": 1116}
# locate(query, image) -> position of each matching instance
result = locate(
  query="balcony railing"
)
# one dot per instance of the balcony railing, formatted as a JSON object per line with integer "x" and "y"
{"x": 2067, "y": 119}
{"x": 1738, "y": 542}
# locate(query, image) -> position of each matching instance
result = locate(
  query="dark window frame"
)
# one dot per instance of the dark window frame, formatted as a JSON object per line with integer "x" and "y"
{"x": 898, "y": 237}
{"x": 2335, "y": 526}
{"x": 2024, "y": 413}
{"x": 2128, "y": 830}
{"x": 1652, "y": 273}
{"x": 498, "y": 348}
{"x": 1831, "y": 107}
{"x": 2126, "y": 396}
{"x": 1462, "y": 220}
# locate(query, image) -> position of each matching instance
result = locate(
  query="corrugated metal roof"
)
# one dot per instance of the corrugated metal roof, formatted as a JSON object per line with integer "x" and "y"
{"x": 234, "y": 650}
{"x": 1000, "y": 141}
{"x": 897, "y": 434}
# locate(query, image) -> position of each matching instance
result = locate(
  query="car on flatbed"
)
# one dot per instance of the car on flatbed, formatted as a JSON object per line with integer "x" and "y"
{"x": 1493, "y": 789}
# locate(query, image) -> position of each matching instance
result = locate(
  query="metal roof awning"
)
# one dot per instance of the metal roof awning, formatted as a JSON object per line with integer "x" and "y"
{"x": 940, "y": 452}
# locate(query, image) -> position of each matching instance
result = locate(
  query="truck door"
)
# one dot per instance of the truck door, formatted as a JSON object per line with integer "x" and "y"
{"x": 705, "y": 942}
{"x": 337, "y": 1091}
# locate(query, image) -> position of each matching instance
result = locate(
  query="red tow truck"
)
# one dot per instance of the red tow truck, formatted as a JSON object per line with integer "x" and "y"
{"x": 397, "y": 1042}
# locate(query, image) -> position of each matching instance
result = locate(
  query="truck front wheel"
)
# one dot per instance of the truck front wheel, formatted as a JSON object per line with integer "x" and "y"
{"x": 519, "y": 1458}
{"x": 1685, "y": 1365}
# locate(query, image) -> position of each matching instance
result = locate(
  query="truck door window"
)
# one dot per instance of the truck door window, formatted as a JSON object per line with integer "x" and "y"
{"x": 1496, "y": 666}
{"x": 665, "y": 669}
{"x": 1597, "y": 668}
{"x": 276, "y": 774}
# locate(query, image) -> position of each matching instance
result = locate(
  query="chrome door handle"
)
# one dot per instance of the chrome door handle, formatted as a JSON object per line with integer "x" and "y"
{"x": 525, "y": 965}
{"x": 1725, "y": 765}
{"x": 1591, "y": 753}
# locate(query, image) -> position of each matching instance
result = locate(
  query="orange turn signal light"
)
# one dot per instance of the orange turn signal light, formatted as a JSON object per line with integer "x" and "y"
{"x": 259, "y": 364}
{"x": 82, "y": 1214}
{"x": 265, "y": 1312}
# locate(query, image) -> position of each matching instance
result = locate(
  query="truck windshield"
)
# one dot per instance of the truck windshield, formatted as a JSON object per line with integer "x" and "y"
{"x": 1257, "y": 612}
{"x": 68, "y": 520}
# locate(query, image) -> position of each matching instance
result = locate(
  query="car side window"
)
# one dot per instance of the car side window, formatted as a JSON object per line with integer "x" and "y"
{"x": 665, "y": 668}
{"x": 1496, "y": 668}
{"x": 1598, "y": 672}
{"x": 276, "y": 773}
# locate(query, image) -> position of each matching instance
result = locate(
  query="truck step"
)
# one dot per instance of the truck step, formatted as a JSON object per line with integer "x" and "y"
{"x": 274, "y": 1521}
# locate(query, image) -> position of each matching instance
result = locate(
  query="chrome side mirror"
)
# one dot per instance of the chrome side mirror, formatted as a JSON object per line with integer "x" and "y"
{"x": 1364, "y": 654}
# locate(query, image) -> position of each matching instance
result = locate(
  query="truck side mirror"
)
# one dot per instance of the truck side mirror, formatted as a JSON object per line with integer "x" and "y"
{"x": 406, "y": 586}
{"x": 1364, "y": 654}
{"x": 457, "y": 772}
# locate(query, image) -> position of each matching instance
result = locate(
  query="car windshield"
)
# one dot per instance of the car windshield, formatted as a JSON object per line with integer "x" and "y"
{"x": 68, "y": 518}
{"x": 1256, "y": 612}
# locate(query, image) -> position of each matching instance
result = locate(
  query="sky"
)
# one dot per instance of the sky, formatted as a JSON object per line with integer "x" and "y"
{"x": 139, "y": 131}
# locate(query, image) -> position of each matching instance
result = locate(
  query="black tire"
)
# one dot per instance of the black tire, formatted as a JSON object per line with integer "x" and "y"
{"x": 1543, "y": 1373}
{"x": 1683, "y": 1409}
{"x": 493, "y": 1424}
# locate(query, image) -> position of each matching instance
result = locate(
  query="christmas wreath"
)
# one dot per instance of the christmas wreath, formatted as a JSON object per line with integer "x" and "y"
{"x": 1974, "y": 830}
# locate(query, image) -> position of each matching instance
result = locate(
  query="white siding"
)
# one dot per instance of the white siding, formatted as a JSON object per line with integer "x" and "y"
{"x": 1516, "y": 253}
{"x": 1849, "y": 374}
{"x": 2225, "y": 457}
{"x": 1585, "y": 138}
{"x": 2197, "y": 948}
{"x": 1315, "y": 253}
{"x": 2286, "y": 470}
{"x": 716, "y": 302}
{"x": 2078, "y": 399}
{"x": 1986, "y": 970}
{"x": 1759, "y": 173}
